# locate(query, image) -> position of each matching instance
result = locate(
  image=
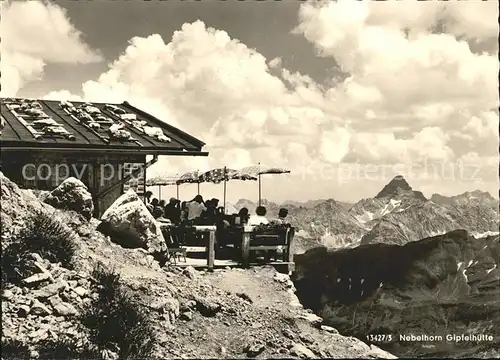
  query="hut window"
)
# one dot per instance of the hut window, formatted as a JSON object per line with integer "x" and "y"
{"x": 29, "y": 177}
{"x": 43, "y": 177}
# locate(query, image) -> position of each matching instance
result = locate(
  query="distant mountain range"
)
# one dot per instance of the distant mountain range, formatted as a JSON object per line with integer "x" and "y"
{"x": 396, "y": 215}
{"x": 312, "y": 203}
{"x": 399, "y": 263}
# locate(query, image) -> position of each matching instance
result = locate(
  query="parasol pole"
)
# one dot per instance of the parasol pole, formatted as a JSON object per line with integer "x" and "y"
{"x": 260, "y": 191}
{"x": 198, "y": 180}
{"x": 260, "y": 188}
{"x": 159, "y": 192}
{"x": 224, "y": 189}
{"x": 177, "y": 185}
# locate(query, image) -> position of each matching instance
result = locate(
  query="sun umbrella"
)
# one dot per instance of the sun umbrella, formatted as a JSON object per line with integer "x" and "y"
{"x": 258, "y": 170}
{"x": 191, "y": 177}
{"x": 160, "y": 181}
{"x": 224, "y": 174}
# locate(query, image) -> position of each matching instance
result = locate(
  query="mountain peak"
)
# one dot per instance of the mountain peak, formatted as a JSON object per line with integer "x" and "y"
{"x": 394, "y": 187}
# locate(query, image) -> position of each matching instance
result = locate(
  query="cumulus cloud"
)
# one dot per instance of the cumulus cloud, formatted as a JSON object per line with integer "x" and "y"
{"x": 62, "y": 95}
{"x": 402, "y": 72}
{"x": 335, "y": 144}
{"x": 276, "y": 62}
{"x": 33, "y": 34}
{"x": 473, "y": 20}
{"x": 391, "y": 68}
{"x": 219, "y": 89}
{"x": 17, "y": 69}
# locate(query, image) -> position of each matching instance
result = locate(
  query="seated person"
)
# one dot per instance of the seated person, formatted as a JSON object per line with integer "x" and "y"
{"x": 173, "y": 211}
{"x": 147, "y": 201}
{"x": 195, "y": 208}
{"x": 283, "y": 213}
{"x": 165, "y": 226}
{"x": 210, "y": 213}
{"x": 222, "y": 225}
{"x": 259, "y": 217}
{"x": 156, "y": 205}
{"x": 147, "y": 197}
{"x": 162, "y": 203}
{"x": 184, "y": 211}
{"x": 159, "y": 213}
{"x": 220, "y": 215}
{"x": 152, "y": 205}
{"x": 242, "y": 216}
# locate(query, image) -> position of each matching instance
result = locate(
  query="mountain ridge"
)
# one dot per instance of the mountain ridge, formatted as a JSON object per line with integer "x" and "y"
{"x": 449, "y": 280}
{"x": 396, "y": 215}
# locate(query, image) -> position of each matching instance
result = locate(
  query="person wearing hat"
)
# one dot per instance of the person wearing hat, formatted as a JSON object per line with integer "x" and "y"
{"x": 173, "y": 211}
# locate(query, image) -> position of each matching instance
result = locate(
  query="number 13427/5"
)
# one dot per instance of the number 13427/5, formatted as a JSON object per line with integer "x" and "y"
{"x": 379, "y": 337}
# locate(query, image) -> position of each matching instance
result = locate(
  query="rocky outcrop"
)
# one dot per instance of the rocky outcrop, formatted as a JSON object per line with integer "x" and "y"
{"x": 45, "y": 308}
{"x": 447, "y": 284}
{"x": 129, "y": 223}
{"x": 48, "y": 306}
{"x": 72, "y": 194}
{"x": 330, "y": 223}
{"x": 16, "y": 204}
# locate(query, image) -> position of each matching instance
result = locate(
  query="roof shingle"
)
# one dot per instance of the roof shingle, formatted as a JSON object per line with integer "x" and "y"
{"x": 40, "y": 124}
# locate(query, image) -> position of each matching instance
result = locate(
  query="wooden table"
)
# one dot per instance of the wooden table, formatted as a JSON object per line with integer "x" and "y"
{"x": 245, "y": 245}
{"x": 210, "y": 248}
{"x": 246, "y": 232}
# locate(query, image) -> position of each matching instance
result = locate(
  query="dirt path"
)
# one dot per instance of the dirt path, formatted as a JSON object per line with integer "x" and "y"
{"x": 284, "y": 319}
{"x": 258, "y": 284}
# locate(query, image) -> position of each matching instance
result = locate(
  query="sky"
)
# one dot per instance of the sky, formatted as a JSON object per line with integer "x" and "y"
{"x": 345, "y": 94}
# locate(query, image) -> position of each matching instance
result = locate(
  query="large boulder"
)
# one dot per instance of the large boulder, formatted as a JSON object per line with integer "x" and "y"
{"x": 72, "y": 194}
{"x": 129, "y": 223}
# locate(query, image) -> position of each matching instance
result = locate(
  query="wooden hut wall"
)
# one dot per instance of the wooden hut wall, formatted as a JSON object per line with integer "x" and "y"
{"x": 97, "y": 171}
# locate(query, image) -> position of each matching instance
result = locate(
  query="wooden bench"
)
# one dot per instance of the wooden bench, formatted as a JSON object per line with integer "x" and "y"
{"x": 268, "y": 240}
{"x": 189, "y": 241}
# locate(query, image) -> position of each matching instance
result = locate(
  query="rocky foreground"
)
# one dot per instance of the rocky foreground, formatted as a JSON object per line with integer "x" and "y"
{"x": 84, "y": 297}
